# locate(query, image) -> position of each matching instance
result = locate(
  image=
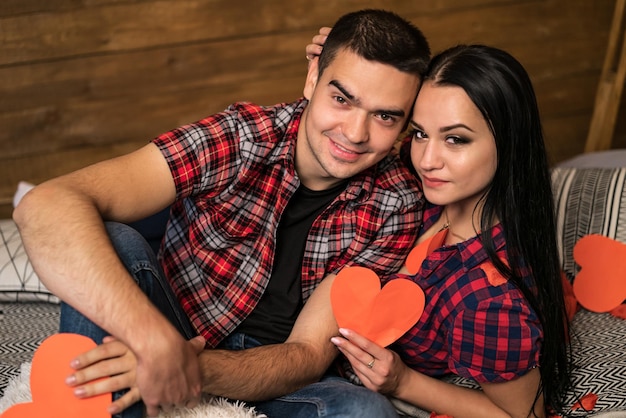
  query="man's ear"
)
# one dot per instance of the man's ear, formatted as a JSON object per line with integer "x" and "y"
{"x": 311, "y": 78}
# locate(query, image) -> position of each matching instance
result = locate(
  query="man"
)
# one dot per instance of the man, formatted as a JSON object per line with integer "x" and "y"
{"x": 266, "y": 202}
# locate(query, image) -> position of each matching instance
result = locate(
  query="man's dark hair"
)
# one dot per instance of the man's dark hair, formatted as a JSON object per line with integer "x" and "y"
{"x": 380, "y": 36}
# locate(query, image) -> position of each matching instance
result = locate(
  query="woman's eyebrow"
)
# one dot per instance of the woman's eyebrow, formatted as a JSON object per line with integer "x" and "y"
{"x": 456, "y": 125}
{"x": 443, "y": 128}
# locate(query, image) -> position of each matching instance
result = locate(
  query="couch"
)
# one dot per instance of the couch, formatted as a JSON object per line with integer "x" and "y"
{"x": 590, "y": 197}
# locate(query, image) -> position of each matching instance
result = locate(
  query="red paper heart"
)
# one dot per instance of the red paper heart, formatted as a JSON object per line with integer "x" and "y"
{"x": 600, "y": 285}
{"x": 52, "y": 398}
{"x": 381, "y": 316}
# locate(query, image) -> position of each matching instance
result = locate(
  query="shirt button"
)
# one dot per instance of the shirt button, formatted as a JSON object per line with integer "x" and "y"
{"x": 311, "y": 272}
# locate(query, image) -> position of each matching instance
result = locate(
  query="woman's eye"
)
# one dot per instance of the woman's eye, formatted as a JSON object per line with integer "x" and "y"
{"x": 418, "y": 134}
{"x": 456, "y": 140}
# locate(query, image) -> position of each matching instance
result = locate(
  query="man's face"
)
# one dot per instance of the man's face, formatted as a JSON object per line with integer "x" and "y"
{"x": 356, "y": 111}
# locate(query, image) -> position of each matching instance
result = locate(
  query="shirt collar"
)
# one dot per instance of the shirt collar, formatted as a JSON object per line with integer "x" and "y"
{"x": 472, "y": 251}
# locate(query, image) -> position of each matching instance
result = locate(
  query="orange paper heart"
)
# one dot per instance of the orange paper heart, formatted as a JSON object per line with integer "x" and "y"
{"x": 422, "y": 250}
{"x": 51, "y": 397}
{"x": 381, "y": 316}
{"x": 600, "y": 285}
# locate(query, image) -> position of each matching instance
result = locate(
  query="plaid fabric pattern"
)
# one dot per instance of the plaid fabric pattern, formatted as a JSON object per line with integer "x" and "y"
{"x": 234, "y": 174}
{"x": 470, "y": 327}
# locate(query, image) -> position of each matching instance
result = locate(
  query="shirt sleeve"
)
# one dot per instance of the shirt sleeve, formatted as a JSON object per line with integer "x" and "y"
{"x": 386, "y": 253}
{"x": 202, "y": 156}
{"x": 498, "y": 341}
{"x": 385, "y": 227}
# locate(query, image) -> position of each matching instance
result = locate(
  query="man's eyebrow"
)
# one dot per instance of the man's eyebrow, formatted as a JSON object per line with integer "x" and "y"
{"x": 343, "y": 90}
{"x": 393, "y": 112}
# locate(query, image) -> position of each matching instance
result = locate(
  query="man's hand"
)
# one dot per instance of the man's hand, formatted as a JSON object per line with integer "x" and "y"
{"x": 168, "y": 374}
{"x": 112, "y": 367}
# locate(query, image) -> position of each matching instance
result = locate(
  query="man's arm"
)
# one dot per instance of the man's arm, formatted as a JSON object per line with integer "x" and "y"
{"x": 258, "y": 373}
{"x": 61, "y": 223}
{"x": 274, "y": 370}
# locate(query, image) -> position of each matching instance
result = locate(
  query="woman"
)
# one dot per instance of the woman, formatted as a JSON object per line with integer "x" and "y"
{"x": 494, "y": 302}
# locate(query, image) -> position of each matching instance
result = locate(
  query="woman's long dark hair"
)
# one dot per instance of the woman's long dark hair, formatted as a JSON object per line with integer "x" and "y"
{"x": 520, "y": 195}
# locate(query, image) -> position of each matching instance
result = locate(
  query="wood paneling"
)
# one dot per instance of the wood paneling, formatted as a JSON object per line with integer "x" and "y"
{"x": 84, "y": 80}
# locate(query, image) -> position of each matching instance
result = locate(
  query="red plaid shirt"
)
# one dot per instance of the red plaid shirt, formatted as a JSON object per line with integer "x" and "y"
{"x": 470, "y": 327}
{"x": 234, "y": 174}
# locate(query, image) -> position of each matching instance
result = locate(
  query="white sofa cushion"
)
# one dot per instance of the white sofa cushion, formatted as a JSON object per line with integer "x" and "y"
{"x": 18, "y": 280}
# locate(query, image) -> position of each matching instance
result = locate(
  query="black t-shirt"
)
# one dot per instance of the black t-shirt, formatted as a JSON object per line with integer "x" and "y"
{"x": 273, "y": 318}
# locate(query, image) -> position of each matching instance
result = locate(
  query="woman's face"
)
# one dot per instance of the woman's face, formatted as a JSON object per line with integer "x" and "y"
{"x": 453, "y": 149}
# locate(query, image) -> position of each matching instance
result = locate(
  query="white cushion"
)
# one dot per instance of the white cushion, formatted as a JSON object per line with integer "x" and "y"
{"x": 18, "y": 280}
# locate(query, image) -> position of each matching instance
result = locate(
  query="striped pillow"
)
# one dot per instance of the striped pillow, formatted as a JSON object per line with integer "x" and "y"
{"x": 588, "y": 201}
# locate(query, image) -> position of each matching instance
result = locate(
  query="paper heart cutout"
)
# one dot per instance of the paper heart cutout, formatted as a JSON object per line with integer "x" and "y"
{"x": 419, "y": 253}
{"x": 51, "y": 397}
{"x": 380, "y": 315}
{"x": 600, "y": 285}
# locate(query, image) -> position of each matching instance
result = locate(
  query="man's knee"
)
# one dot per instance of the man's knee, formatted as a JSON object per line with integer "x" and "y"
{"x": 134, "y": 253}
{"x": 127, "y": 240}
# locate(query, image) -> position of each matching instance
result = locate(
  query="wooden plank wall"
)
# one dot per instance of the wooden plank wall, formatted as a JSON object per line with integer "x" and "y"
{"x": 83, "y": 80}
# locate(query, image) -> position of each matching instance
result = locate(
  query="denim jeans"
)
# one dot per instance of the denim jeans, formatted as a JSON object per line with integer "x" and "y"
{"x": 333, "y": 396}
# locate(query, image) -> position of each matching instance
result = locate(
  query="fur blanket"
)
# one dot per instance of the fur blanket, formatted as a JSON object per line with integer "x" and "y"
{"x": 18, "y": 391}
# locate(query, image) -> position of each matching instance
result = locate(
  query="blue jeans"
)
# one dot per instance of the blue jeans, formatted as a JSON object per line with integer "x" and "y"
{"x": 333, "y": 396}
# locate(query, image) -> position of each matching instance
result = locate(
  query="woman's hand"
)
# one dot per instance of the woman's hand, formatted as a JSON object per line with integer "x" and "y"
{"x": 314, "y": 49}
{"x": 110, "y": 367}
{"x": 379, "y": 369}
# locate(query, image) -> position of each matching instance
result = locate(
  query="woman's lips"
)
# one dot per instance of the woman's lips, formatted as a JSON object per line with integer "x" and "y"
{"x": 432, "y": 182}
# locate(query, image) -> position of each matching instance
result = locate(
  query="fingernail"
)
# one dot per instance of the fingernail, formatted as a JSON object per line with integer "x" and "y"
{"x": 70, "y": 380}
{"x": 74, "y": 364}
{"x": 79, "y": 392}
{"x": 343, "y": 331}
{"x": 335, "y": 340}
